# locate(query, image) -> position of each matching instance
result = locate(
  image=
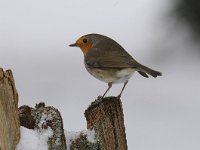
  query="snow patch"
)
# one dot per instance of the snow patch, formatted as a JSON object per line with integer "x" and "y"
{"x": 38, "y": 139}
{"x": 43, "y": 120}
{"x": 34, "y": 139}
{"x": 90, "y": 134}
{"x": 72, "y": 136}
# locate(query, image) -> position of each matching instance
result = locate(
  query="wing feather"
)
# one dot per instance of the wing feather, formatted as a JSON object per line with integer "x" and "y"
{"x": 109, "y": 54}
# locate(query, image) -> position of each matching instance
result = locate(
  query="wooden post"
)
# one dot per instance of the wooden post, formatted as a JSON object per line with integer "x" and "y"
{"x": 106, "y": 117}
{"x": 9, "y": 119}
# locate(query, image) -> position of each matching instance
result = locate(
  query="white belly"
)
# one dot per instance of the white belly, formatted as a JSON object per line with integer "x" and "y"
{"x": 124, "y": 75}
{"x": 112, "y": 75}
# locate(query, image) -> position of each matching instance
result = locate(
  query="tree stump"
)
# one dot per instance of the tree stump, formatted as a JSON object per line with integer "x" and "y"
{"x": 43, "y": 117}
{"x": 106, "y": 117}
{"x": 9, "y": 119}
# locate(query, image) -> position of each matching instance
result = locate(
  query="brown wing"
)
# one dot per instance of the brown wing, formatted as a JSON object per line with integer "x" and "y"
{"x": 109, "y": 54}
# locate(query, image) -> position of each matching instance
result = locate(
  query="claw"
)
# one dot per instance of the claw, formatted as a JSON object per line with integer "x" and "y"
{"x": 119, "y": 96}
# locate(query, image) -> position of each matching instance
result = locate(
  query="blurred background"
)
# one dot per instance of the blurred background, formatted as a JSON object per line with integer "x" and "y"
{"x": 161, "y": 113}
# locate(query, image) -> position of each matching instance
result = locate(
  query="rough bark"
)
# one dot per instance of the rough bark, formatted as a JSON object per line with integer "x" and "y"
{"x": 9, "y": 119}
{"x": 106, "y": 117}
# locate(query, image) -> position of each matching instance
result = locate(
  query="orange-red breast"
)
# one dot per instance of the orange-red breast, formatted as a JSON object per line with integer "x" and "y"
{"x": 108, "y": 61}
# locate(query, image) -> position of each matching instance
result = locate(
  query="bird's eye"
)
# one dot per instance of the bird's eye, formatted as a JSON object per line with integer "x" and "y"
{"x": 84, "y": 40}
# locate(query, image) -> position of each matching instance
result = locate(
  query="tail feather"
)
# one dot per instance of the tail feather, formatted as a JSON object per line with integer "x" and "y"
{"x": 145, "y": 70}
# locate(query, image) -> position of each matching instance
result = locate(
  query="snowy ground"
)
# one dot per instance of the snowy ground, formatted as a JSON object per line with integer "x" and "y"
{"x": 37, "y": 140}
{"x": 33, "y": 139}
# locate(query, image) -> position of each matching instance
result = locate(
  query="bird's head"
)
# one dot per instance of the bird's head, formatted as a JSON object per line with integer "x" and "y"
{"x": 86, "y": 42}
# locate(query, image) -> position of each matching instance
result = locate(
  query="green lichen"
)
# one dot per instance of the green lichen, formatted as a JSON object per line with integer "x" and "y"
{"x": 82, "y": 143}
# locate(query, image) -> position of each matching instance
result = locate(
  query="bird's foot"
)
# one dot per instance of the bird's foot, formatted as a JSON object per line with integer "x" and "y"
{"x": 99, "y": 98}
{"x": 119, "y": 96}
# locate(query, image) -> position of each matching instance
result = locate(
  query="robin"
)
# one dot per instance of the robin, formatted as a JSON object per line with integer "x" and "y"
{"x": 108, "y": 61}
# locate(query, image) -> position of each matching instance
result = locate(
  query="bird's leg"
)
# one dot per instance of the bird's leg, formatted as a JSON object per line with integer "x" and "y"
{"x": 109, "y": 86}
{"x": 122, "y": 89}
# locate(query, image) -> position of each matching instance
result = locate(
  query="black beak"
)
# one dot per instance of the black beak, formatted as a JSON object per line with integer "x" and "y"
{"x": 73, "y": 45}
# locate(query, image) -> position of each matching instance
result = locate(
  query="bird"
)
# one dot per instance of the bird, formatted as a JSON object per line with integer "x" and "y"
{"x": 109, "y": 62}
